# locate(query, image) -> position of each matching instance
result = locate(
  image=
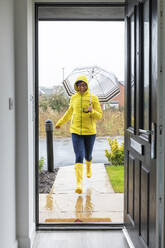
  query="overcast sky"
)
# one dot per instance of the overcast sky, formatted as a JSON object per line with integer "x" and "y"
{"x": 73, "y": 44}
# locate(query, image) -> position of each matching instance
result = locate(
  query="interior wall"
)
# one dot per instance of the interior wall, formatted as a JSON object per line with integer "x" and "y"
{"x": 7, "y": 126}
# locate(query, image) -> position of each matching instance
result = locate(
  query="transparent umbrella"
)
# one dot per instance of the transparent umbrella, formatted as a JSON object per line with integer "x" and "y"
{"x": 102, "y": 83}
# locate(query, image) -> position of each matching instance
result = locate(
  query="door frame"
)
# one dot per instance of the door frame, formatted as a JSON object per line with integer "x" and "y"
{"x": 63, "y": 226}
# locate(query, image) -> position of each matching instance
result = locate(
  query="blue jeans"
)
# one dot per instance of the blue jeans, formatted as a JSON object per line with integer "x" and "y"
{"x": 83, "y": 146}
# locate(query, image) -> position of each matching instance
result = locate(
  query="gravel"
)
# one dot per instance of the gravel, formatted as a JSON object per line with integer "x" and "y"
{"x": 46, "y": 180}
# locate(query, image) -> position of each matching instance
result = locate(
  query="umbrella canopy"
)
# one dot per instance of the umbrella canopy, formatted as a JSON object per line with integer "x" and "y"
{"x": 102, "y": 83}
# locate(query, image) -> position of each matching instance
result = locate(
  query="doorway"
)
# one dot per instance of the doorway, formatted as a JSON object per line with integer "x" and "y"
{"x": 43, "y": 12}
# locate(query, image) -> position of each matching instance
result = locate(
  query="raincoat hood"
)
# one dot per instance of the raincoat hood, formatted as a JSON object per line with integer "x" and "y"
{"x": 81, "y": 78}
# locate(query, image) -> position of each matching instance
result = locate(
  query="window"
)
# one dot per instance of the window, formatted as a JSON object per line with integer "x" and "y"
{"x": 132, "y": 70}
{"x": 146, "y": 61}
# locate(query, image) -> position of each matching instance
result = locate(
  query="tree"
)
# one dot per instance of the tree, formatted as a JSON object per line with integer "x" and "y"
{"x": 58, "y": 102}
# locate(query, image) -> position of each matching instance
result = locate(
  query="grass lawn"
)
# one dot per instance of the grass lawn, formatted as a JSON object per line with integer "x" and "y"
{"x": 116, "y": 177}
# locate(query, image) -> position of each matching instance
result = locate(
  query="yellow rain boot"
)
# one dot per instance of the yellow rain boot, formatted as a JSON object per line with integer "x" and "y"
{"x": 79, "y": 176}
{"x": 88, "y": 168}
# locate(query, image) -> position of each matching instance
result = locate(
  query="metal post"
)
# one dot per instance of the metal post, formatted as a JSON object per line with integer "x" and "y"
{"x": 49, "y": 141}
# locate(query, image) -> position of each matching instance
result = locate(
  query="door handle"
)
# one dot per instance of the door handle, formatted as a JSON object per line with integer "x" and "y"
{"x": 152, "y": 134}
{"x": 148, "y": 132}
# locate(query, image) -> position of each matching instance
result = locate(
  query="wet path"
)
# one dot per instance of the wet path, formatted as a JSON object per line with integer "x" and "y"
{"x": 64, "y": 154}
{"x": 97, "y": 203}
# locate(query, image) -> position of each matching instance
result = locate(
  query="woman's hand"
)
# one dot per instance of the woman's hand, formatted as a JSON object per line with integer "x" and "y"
{"x": 89, "y": 108}
{"x": 57, "y": 127}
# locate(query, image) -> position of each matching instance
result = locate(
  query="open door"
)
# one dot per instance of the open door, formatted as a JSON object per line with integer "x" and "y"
{"x": 140, "y": 122}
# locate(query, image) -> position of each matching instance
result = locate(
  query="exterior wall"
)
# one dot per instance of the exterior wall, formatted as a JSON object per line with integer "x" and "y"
{"x": 7, "y": 127}
{"x": 120, "y": 97}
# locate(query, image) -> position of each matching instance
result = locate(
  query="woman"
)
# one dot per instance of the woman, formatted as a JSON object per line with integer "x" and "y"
{"x": 83, "y": 110}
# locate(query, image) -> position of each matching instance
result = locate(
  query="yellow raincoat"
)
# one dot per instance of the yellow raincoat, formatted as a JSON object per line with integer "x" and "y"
{"x": 82, "y": 123}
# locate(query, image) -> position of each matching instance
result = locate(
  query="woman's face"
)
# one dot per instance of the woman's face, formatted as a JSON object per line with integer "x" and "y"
{"x": 82, "y": 87}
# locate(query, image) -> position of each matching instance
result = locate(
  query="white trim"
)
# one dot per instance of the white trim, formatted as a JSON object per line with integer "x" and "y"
{"x": 27, "y": 242}
{"x": 24, "y": 242}
{"x": 131, "y": 245}
{"x": 33, "y": 234}
{"x": 15, "y": 245}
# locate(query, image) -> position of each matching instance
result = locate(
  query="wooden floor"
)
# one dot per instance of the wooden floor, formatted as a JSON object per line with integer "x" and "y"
{"x": 81, "y": 239}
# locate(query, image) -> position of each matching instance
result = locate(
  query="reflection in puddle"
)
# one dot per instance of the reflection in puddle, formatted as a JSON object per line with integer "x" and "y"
{"x": 79, "y": 207}
{"x": 85, "y": 212}
{"x": 49, "y": 202}
{"x": 88, "y": 204}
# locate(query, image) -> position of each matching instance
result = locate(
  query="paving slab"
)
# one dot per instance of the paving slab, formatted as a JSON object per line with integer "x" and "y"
{"x": 97, "y": 203}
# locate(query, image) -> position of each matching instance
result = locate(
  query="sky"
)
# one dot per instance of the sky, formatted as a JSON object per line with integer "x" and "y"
{"x": 66, "y": 45}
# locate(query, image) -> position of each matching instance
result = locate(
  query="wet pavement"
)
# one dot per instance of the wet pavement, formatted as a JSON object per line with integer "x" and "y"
{"x": 64, "y": 154}
{"x": 97, "y": 203}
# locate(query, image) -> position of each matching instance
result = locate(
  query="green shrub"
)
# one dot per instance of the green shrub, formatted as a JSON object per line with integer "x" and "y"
{"x": 41, "y": 163}
{"x": 116, "y": 154}
{"x": 58, "y": 102}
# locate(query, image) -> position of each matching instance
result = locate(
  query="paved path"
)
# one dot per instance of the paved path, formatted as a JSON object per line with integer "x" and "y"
{"x": 97, "y": 203}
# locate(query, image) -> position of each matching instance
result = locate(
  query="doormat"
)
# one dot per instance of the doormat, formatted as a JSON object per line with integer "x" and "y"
{"x": 72, "y": 220}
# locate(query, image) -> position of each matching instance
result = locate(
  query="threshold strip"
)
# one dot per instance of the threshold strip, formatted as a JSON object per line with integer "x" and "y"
{"x": 79, "y": 226}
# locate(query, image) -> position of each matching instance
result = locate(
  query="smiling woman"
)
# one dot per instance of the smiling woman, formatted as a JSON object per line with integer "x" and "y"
{"x": 83, "y": 126}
